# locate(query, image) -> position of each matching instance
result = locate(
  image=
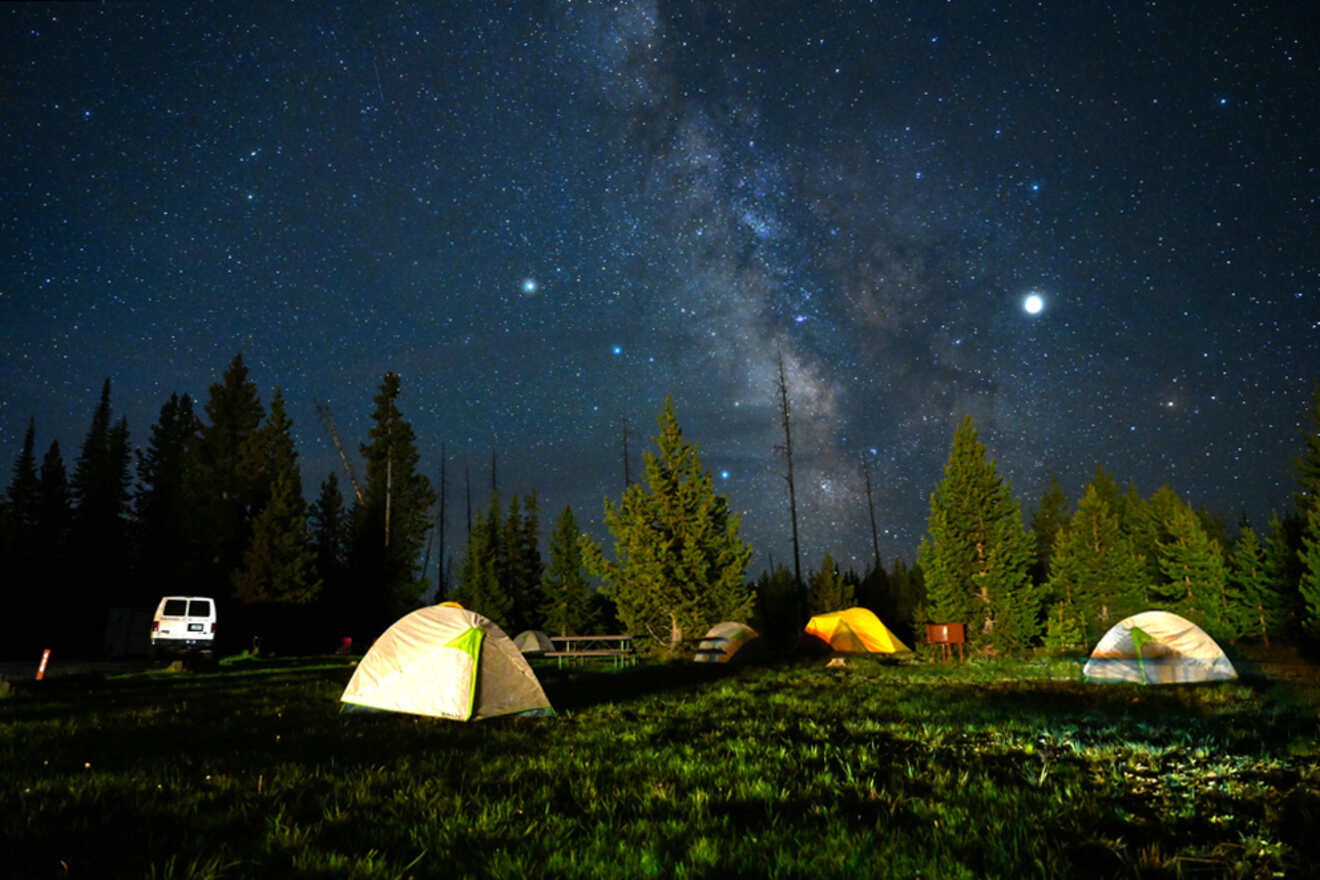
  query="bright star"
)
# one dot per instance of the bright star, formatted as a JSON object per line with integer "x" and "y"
{"x": 1033, "y": 304}
{"x": 724, "y": 475}
{"x": 618, "y": 349}
{"x": 529, "y": 285}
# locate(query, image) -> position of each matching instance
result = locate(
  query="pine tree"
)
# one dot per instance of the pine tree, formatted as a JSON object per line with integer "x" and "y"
{"x": 565, "y": 587}
{"x": 777, "y": 617}
{"x": 522, "y": 564}
{"x": 22, "y": 529}
{"x": 678, "y": 558}
{"x": 279, "y": 563}
{"x": 1096, "y": 577}
{"x": 1046, "y": 520}
{"x": 331, "y": 536}
{"x": 827, "y": 590}
{"x": 1250, "y": 573}
{"x": 100, "y": 490}
{"x": 390, "y": 527}
{"x": 1196, "y": 582}
{"x": 24, "y": 506}
{"x": 54, "y": 512}
{"x": 1307, "y": 465}
{"x": 907, "y": 586}
{"x": 164, "y": 543}
{"x": 227, "y": 486}
{"x": 977, "y": 558}
{"x": 481, "y": 581}
{"x": 1309, "y": 584}
{"x": 1283, "y": 554}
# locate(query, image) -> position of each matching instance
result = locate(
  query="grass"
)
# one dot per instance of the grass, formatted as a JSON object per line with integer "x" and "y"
{"x": 990, "y": 769}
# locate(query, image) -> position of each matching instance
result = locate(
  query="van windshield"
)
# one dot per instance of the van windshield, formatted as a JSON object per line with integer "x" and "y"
{"x": 199, "y": 608}
{"x": 176, "y": 607}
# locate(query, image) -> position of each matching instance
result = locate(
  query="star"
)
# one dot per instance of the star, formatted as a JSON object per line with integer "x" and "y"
{"x": 1033, "y": 304}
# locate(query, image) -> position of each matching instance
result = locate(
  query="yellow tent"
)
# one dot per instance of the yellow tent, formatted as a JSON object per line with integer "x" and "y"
{"x": 855, "y": 630}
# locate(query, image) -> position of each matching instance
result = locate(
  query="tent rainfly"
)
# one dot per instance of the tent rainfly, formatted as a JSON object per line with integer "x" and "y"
{"x": 1158, "y": 647}
{"x": 723, "y": 641}
{"x": 854, "y": 630}
{"x": 445, "y": 662}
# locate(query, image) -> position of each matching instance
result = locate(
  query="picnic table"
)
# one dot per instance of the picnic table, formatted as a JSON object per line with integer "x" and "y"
{"x": 617, "y": 647}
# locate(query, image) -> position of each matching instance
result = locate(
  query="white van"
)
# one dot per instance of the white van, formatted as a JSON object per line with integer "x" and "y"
{"x": 184, "y": 623}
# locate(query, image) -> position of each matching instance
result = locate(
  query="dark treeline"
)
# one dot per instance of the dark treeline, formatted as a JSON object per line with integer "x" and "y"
{"x": 213, "y": 504}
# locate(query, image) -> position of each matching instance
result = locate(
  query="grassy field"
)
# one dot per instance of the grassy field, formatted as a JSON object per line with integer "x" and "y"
{"x": 795, "y": 770}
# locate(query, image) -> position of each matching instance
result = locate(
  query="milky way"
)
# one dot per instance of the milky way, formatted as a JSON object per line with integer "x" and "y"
{"x": 548, "y": 217}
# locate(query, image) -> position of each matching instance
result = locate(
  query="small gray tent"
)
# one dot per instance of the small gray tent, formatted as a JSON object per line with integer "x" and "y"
{"x": 723, "y": 641}
{"x": 533, "y": 642}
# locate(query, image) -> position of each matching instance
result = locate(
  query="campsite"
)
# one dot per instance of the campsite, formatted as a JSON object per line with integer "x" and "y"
{"x": 784, "y": 769}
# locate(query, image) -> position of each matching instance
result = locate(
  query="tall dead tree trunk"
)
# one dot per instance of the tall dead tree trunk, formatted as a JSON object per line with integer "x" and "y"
{"x": 787, "y": 449}
{"x": 440, "y": 581}
{"x": 467, "y": 492}
{"x": 627, "y": 464}
{"x": 870, "y": 507}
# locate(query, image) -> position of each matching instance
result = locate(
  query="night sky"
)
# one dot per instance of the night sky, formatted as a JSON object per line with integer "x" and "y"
{"x": 546, "y": 217}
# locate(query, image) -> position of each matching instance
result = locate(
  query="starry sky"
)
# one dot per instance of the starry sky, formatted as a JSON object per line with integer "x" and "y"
{"x": 546, "y": 217}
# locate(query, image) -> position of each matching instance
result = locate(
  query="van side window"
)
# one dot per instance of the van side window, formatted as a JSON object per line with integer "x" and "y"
{"x": 199, "y": 608}
{"x": 176, "y": 607}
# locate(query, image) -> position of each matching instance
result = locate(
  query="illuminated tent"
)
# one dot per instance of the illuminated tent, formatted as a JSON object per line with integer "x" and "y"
{"x": 854, "y": 630}
{"x": 723, "y": 641}
{"x": 533, "y": 641}
{"x": 445, "y": 662}
{"x": 1157, "y": 647}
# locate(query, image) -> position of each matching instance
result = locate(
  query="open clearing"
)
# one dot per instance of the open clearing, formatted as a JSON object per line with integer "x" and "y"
{"x": 794, "y": 770}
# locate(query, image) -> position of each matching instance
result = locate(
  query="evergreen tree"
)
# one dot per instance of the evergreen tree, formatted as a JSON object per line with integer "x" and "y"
{"x": 1249, "y": 572}
{"x": 22, "y": 528}
{"x": 481, "y": 580}
{"x": 279, "y": 564}
{"x": 873, "y": 591}
{"x": 522, "y": 564}
{"x": 565, "y": 587}
{"x": 1195, "y": 579}
{"x": 390, "y": 526}
{"x": 1283, "y": 558}
{"x": 907, "y": 586}
{"x": 54, "y": 513}
{"x": 24, "y": 492}
{"x": 100, "y": 491}
{"x": 1096, "y": 577}
{"x": 1309, "y": 584}
{"x": 1307, "y": 465}
{"x": 165, "y": 545}
{"x": 1149, "y": 525}
{"x": 826, "y": 590}
{"x": 1046, "y": 520}
{"x": 1064, "y": 630}
{"x": 777, "y": 617}
{"x": 977, "y": 558}
{"x": 678, "y": 558}
{"x": 331, "y": 536}
{"x": 228, "y": 486}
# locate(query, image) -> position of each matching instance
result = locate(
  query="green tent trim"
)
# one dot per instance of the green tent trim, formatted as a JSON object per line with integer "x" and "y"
{"x": 1139, "y": 639}
{"x": 469, "y": 642}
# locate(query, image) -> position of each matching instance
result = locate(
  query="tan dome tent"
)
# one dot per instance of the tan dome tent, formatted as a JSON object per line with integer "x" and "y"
{"x": 533, "y": 641}
{"x": 723, "y": 641}
{"x": 445, "y": 662}
{"x": 854, "y": 630}
{"x": 1157, "y": 647}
